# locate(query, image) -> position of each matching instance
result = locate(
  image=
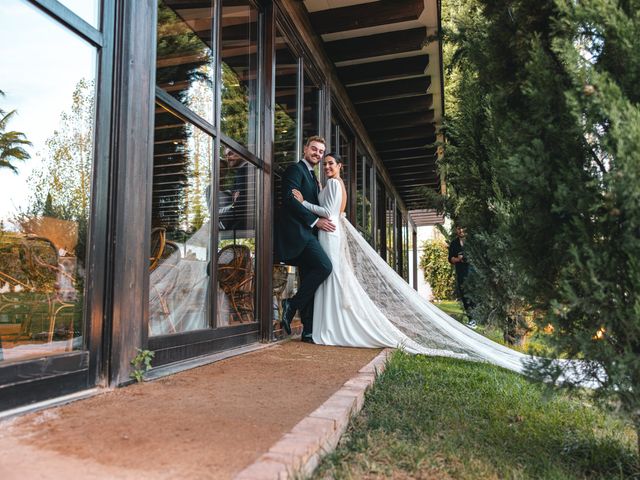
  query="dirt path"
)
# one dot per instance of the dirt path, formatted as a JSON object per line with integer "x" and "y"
{"x": 205, "y": 423}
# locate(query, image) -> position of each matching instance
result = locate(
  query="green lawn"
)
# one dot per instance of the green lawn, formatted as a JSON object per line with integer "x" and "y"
{"x": 438, "y": 418}
{"x": 535, "y": 342}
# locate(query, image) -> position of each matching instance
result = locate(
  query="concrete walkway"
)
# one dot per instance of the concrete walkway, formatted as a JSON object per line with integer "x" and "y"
{"x": 269, "y": 414}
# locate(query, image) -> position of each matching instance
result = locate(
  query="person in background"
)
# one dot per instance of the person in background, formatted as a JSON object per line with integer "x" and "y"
{"x": 459, "y": 261}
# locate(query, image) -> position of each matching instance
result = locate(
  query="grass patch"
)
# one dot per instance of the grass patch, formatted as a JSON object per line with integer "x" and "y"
{"x": 536, "y": 342}
{"x": 440, "y": 418}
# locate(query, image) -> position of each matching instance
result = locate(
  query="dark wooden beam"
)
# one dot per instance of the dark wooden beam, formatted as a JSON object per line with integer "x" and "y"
{"x": 417, "y": 168}
{"x": 384, "y": 70}
{"x": 403, "y": 145}
{"x": 407, "y": 181}
{"x": 419, "y": 164}
{"x": 382, "y": 143}
{"x": 395, "y": 106}
{"x": 365, "y": 15}
{"x": 400, "y": 41}
{"x": 375, "y": 124}
{"x": 404, "y": 154}
{"x": 375, "y": 92}
{"x": 417, "y": 178}
{"x": 404, "y": 133}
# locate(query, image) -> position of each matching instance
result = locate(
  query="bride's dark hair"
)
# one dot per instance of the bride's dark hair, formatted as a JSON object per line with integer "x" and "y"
{"x": 335, "y": 156}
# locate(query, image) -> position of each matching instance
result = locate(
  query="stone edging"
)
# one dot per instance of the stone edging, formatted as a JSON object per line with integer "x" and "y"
{"x": 298, "y": 453}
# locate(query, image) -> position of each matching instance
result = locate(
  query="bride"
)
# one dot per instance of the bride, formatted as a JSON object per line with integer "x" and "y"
{"x": 365, "y": 303}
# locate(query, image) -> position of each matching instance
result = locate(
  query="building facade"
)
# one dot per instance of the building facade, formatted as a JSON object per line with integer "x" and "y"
{"x": 142, "y": 144}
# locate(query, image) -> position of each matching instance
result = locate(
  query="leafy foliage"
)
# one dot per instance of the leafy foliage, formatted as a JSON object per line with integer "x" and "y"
{"x": 543, "y": 166}
{"x": 141, "y": 363}
{"x": 438, "y": 272}
{"x": 12, "y": 143}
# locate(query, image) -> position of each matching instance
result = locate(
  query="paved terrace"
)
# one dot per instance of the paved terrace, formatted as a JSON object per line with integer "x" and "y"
{"x": 266, "y": 414}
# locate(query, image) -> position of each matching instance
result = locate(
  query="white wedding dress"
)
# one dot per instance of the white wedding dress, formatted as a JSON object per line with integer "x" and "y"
{"x": 365, "y": 303}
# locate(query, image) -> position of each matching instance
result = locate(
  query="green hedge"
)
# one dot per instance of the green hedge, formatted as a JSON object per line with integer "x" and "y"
{"x": 438, "y": 272}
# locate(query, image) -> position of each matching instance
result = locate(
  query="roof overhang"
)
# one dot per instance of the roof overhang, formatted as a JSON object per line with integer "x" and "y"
{"x": 388, "y": 56}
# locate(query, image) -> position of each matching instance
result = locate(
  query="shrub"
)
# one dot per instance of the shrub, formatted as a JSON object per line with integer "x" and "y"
{"x": 438, "y": 272}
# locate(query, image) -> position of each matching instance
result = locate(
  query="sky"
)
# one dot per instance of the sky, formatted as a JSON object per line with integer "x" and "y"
{"x": 40, "y": 64}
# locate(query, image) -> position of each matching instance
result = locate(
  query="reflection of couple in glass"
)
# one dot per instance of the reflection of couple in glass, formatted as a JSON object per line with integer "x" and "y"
{"x": 232, "y": 198}
{"x": 348, "y": 295}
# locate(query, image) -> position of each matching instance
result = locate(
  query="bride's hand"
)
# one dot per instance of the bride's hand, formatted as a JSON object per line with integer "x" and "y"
{"x": 297, "y": 195}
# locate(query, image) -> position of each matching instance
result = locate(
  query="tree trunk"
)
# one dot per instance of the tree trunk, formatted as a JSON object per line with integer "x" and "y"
{"x": 516, "y": 330}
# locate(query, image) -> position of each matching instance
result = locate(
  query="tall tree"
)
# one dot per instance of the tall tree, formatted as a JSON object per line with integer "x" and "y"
{"x": 542, "y": 166}
{"x": 61, "y": 186}
{"x": 12, "y": 143}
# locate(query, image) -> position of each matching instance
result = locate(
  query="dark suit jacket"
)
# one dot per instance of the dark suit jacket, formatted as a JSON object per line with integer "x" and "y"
{"x": 294, "y": 229}
{"x": 462, "y": 268}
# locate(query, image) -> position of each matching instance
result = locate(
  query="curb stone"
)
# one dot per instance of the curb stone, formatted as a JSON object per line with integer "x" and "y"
{"x": 298, "y": 453}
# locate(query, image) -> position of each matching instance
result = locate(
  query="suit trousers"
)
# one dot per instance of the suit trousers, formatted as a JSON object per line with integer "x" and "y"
{"x": 314, "y": 267}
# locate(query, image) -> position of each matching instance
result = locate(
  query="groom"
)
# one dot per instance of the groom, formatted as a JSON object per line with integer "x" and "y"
{"x": 296, "y": 241}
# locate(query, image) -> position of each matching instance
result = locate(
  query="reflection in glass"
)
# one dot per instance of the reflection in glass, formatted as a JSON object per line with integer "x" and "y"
{"x": 236, "y": 239}
{"x": 344, "y": 145}
{"x": 239, "y": 89}
{"x": 410, "y": 260}
{"x": 88, "y": 10}
{"x": 311, "y": 108}
{"x": 399, "y": 247}
{"x": 360, "y": 191}
{"x": 180, "y": 226}
{"x": 381, "y": 235}
{"x": 184, "y": 59}
{"x": 286, "y": 111}
{"x": 368, "y": 200}
{"x": 364, "y": 198}
{"x": 46, "y": 144}
{"x": 391, "y": 253}
{"x": 284, "y": 279}
{"x": 405, "y": 249}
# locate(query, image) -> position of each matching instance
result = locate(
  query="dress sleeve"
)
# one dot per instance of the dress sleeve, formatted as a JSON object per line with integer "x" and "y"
{"x": 331, "y": 200}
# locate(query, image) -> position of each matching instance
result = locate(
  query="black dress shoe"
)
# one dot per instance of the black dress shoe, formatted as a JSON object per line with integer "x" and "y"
{"x": 287, "y": 315}
{"x": 307, "y": 338}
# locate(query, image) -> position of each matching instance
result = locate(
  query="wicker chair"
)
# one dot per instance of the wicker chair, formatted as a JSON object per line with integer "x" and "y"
{"x": 235, "y": 277}
{"x": 162, "y": 249}
{"x": 279, "y": 282}
{"x": 30, "y": 276}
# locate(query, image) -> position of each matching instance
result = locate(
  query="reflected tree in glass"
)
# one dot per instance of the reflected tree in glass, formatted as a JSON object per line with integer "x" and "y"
{"x": 12, "y": 143}
{"x": 61, "y": 186}
{"x": 235, "y": 106}
{"x": 184, "y": 60}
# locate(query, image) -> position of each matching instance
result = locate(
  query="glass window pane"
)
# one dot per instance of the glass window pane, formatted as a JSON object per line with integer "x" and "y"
{"x": 405, "y": 249}
{"x": 368, "y": 201}
{"x": 237, "y": 204}
{"x": 46, "y": 141}
{"x": 286, "y": 111}
{"x": 88, "y": 10}
{"x": 360, "y": 191}
{"x": 344, "y": 146}
{"x": 381, "y": 238}
{"x": 390, "y": 220}
{"x": 184, "y": 59}
{"x": 239, "y": 90}
{"x": 311, "y": 112}
{"x": 180, "y": 235}
{"x": 284, "y": 153}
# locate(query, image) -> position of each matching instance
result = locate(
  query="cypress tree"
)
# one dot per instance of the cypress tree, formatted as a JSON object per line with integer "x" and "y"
{"x": 542, "y": 165}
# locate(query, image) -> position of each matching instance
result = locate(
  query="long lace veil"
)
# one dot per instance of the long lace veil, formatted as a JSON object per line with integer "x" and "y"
{"x": 425, "y": 324}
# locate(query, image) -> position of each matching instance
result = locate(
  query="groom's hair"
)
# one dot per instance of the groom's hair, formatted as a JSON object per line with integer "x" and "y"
{"x": 315, "y": 138}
